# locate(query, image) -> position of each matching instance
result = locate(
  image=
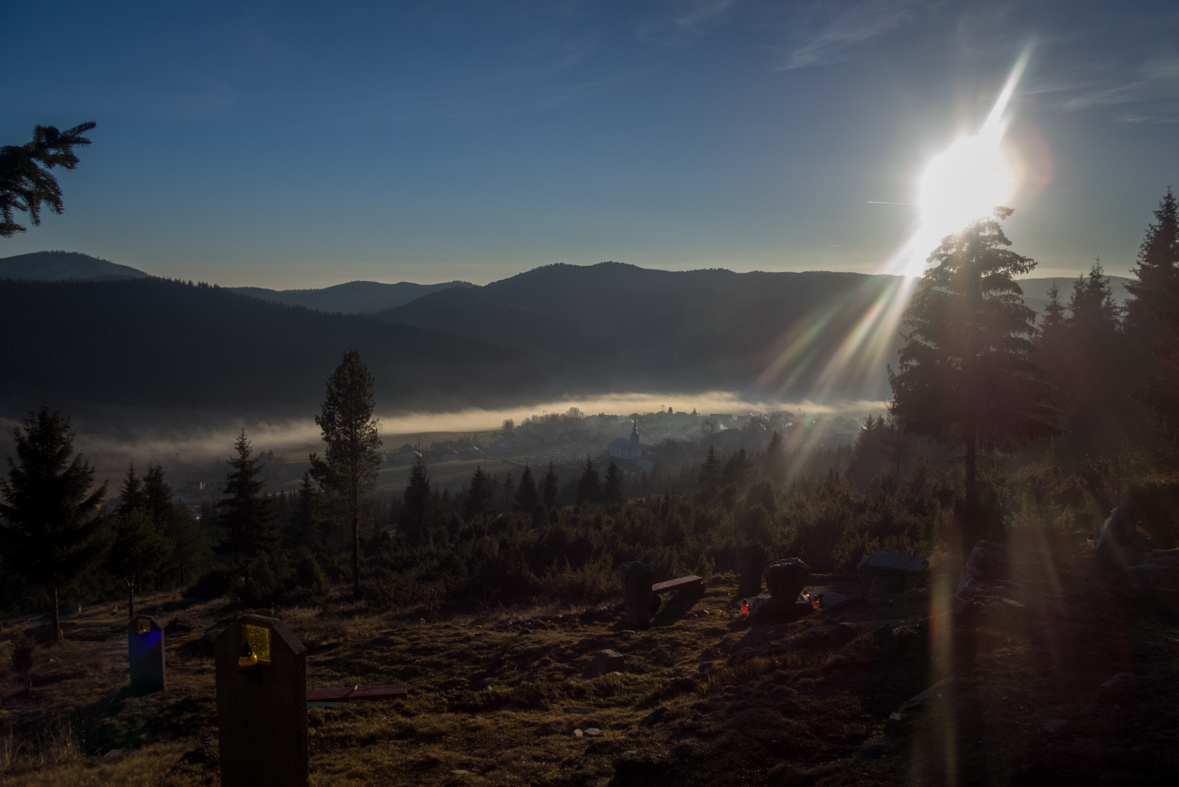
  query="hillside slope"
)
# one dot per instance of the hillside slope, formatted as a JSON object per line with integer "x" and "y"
{"x": 64, "y": 266}
{"x": 354, "y": 297}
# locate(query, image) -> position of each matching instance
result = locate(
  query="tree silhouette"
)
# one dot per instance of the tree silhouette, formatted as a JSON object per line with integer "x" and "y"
{"x": 612, "y": 491}
{"x": 419, "y": 501}
{"x": 710, "y": 473}
{"x": 967, "y": 374}
{"x": 137, "y": 551}
{"x": 551, "y": 488}
{"x": 246, "y": 514}
{"x": 589, "y": 488}
{"x": 348, "y": 470}
{"x": 25, "y": 178}
{"x": 48, "y": 529}
{"x": 526, "y": 495}
{"x": 477, "y": 503}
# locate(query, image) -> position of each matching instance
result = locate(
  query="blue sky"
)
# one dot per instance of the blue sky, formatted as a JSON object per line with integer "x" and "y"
{"x": 293, "y": 144}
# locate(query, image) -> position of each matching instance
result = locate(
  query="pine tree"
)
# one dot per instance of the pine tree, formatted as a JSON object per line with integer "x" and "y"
{"x": 301, "y": 528}
{"x": 526, "y": 496}
{"x": 612, "y": 492}
{"x": 131, "y": 496}
{"x": 509, "y": 492}
{"x": 157, "y": 496}
{"x": 1054, "y": 316}
{"x": 348, "y": 471}
{"x": 418, "y": 502}
{"x": 136, "y": 552}
{"x": 246, "y": 513}
{"x": 189, "y": 542}
{"x": 589, "y": 488}
{"x": 1094, "y": 310}
{"x": 968, "y": 375}
{"x": 551, "y": 488}
{"x": 775, "y": 457}
{"x": 25, "y": 179}
{"x": 710, "y": 473}
{"x": 477, "y": 502}
{"x": 47, "y": 528}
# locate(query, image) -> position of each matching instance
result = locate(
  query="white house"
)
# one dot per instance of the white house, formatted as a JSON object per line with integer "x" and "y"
{"x": 622, "y": 448}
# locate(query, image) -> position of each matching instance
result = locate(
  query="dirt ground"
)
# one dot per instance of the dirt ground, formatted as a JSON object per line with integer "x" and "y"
{"x": 1007, "y": 691}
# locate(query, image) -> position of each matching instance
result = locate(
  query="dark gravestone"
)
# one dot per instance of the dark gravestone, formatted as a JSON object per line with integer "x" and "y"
{"x": 785, "y": 579}
{"x": 145, "y": 655}
{"x": 261, "y": 704}
{"x": 636, "y": 593}
{"x": 751, "y": 560}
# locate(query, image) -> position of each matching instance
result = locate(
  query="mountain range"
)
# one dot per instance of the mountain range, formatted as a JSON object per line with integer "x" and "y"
{"x": 101, "y": 333}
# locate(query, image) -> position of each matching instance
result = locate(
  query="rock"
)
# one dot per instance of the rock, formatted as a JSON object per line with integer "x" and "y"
{"x": 605, "y": 661}
{"x": 751, "y": 561}
{"x": 1119, "y": 688}
{"x": 113, "y": 753}
{"x": 593, "y": 732}
{"x": 830, "y": 599}
{"x": 654, "y": 717}
{"x": 893, "y": 572}
{"x": 931, "y": 692}
{"x": 636, "y": 593}
{"x": 745, "y": 653}
{"x": 705, "y": 668}
{"x": 894, "y": 724}
{"x": 461, "y": 772}
{"x": 786, "y": 578}
{"x": 1055, "y": 726}
{"x": 879, "y": 749}
{"x": 578, "y": 733}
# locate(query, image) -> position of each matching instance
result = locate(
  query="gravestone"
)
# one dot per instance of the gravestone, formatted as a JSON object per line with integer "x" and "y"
{"x": 261, "y": 704}
{"x": 145, "y": 655}
{"x": 636, "y": 593}
{"x": 785, "y": 579}
{"x": 751, "y": 561}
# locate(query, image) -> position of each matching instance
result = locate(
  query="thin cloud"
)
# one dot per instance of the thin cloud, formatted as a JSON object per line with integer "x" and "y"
{"x": 857, "y": 24}
{"x": 701, "y": 15}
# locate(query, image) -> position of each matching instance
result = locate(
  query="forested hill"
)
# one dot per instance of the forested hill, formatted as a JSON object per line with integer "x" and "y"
{"x": 159, "y": 343}
{"x": 354, "y": 297}
{"x": 637, "y": 329}
{"x": 63, "y": 266}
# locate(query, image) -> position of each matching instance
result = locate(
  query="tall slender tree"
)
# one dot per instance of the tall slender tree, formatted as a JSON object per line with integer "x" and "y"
{"x": 48, "y": 527}
{"x": 416, "y": 513}
{"x": 136, "y": 551}
{"x": 589, "y": 488}
{"x": 477, "y": 501}
{"x": 551, "y": 488}
{"x": 246, "y": 513}
{"x": 968, "y": 375}
{"x": 348, "y": 471}
{"x": 613, "y": 493}
{"x": 526, "y": 495}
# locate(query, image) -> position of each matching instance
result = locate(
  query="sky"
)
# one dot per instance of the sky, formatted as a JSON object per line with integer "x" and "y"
{"x": 286, "y": 144}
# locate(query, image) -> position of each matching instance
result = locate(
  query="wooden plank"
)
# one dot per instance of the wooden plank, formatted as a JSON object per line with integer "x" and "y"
{"x": 330, "y": 695}
{"x": 391, "y": 691}
{"x": 673, "y": 584}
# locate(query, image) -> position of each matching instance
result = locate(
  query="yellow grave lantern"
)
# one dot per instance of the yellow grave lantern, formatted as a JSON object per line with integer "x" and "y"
{"x": 143, "y": 625}
{"x": 255, "y": 645}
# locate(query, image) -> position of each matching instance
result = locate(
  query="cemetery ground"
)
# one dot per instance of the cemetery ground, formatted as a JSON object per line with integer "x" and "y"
{"x": 1010, "y": 689}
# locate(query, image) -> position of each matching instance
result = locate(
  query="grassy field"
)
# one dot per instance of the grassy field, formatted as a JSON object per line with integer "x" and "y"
{"x": 497, "y": 697}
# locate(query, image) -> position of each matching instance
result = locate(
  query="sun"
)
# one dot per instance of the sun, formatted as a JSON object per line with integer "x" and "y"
{"x": 964, "y": 184}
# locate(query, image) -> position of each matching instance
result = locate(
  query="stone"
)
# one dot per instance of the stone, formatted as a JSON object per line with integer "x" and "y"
{"x": 578, "y": 733}
{"x": 893, "y": 572}
{"x": 786, "y": 578}
{"x": 751, "y": 561}
{"x": 261, "y": 673}
{"x": 636, "y": 594}
{"x": 654, "y": 717}
{"x": 113, "y": 753}
{"x": 894, "y": 724}
{"x": 145, "y": 655}
{"x": 1119, "y": 687}
{"x": 705, "y": 668}
{"x": 985, "y": 568}
{"x": 593, "y": 732}
{"x": 830, "y": 599}
{"x": 604, "y": 661}
{"x": 876, "y": 750}
{"x": 1055, "y": 726}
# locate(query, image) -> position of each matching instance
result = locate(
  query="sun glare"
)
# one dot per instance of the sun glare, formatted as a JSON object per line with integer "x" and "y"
{"x": 964, "y": 184}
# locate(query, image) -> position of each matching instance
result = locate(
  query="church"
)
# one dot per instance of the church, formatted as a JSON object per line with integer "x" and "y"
{"x": 621, "y": 448}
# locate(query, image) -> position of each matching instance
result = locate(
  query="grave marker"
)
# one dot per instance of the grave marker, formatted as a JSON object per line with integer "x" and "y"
{"x": 261, "y": 704}
{"x": 751, "y": 561}
{"x": 145, "y": 655}
{"x": 636, "y": 593}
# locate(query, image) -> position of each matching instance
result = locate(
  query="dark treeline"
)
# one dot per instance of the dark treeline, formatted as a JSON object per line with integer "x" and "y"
{"x": 1077, "y": 415}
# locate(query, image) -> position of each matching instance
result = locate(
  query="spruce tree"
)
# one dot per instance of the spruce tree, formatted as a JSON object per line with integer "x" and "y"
{"x": 157, "y": 496}
{"x": 551, "y": 488}
{"x": 246, "y": 513}
{"x": 47, "y": 525}
{"x": 348, "y": 471}
{"x": 612, "y": 491}
{"x": 136, "y": 551}
{"x": 131, "y": 495}
{"x": 418, "y": 502}
{"x": 710, "y": 473}
{"x": 25, "y": 178}
{"x": 589, "y": 488}
{"x": 477, "y": 502}
{"x": 526, "y": 496}
{"x": 968, "y": 374}
{"x": 301, "y": 528}
{"x": 775, "y": 457}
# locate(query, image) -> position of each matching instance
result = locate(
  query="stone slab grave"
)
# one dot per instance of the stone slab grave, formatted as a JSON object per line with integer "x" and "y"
{"x": 636, "y": 594}
{"x": 261, "y": 670}
{"x": 751, "y": 562}
{"x": 690, "y": 585}
{"x": 145, "y": 655}
{"x": 336, "y": 697}
{"x": 892, "y": 572}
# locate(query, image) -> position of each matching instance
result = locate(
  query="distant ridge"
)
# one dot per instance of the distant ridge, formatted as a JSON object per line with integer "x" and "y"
{"x": 65, "y": 266}
{"x": 354, "y": 297}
